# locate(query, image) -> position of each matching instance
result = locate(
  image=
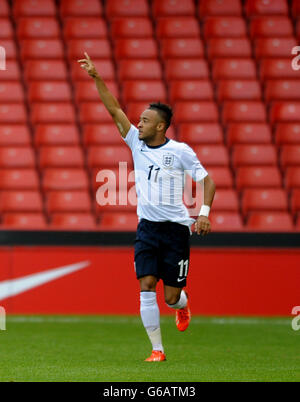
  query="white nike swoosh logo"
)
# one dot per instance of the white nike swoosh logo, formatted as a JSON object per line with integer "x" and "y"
{"x": 180, "y": 279}
{"x": 16, "y": 286}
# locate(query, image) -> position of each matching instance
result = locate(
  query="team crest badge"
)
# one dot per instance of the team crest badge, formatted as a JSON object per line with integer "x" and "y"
{"x": 168, "y": 160}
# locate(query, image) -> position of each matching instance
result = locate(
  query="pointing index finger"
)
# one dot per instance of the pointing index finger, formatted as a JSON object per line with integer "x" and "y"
{"x": 87, "y": 56}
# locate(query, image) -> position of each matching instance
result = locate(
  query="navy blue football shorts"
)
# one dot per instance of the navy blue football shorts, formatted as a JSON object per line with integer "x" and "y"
{"x": 162, "y": 249}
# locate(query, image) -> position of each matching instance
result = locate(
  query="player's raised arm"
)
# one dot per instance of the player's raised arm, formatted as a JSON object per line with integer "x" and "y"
{"x": 110, "y": 102}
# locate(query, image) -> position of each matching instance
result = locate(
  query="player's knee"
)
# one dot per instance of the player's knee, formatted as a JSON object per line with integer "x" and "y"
{"x": 148, "y": 284}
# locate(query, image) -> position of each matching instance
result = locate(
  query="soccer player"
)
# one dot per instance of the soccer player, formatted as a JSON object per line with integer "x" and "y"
{"x": 162, "y": 246}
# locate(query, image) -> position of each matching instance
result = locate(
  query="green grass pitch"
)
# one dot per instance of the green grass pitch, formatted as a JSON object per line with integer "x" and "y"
{"x": 113, "y": 348}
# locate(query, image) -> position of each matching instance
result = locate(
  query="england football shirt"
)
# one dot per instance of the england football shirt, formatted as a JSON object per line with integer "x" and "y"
{"x": 160, "y": 176}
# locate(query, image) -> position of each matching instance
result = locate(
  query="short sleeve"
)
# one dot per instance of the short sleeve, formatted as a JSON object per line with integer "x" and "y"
{"x": 132, "y": 137}
{"x": 191, "y": 164}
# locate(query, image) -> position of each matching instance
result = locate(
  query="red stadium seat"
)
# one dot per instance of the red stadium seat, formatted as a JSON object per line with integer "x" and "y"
{"x": 274, "y": 47}
{"x": 226, "y": 222}
{"x": 226, "y": 200}
{"x": 56, "y": 112}
{"x": 233, "y": 69}
{"x": 130, "y": 27}
{"x": 4, "y": 9}
{"x": 71, "y": 8}
{"x": 165, "y": 8}
{"x": 21, "y": 201}
{"x": 118, "y": 222}
{"x": 198, "y": 133}
{"x": 104, "y": 66}
{"x": 41, "y": 49}
{"x": 87, "y": 91}
{"x": 19, "y": 179}
{"x": 136, "y": 48}
{"x": 6, "y": 29}
{"x": 274, "y": 26}
{"x": 28, "y": 8}
{"x": 282, "y": 90}
{"x": 189, "y": 69}
{"x": 12, "y": 72}
{"x": 65, "y": 179}
{"x": 195, "y": 112}
{"x": 93, "y": 112}
{"x": 14, "y": 134}
{"x": 96, "y": 48}
{"x": 134, "y": 111}
{"x": 229, "y": 47}
{"x": 116, "y": 178}
{"x": 245, "y": 111}
{"x": 61, "y": 156}
{"x": 224, "y": 27}
{"x": 10, "y": 48}
{"x": 248, "y": 133}
{"x": 298, "y": 28}
{"x": 189, "y": 90}
{"x": 84, "y": 27}
{"x": 295, "y": 8}
{"x": 56, "y": 134}
{"x": 107, "y": 155}
{"x": 11, "y": 92}
{"x": 219, "y": 7}
{"x": 37, "y": 28}
{"x": 115, "y": 201}
{"x": 140, "y": 91}
{"x": 270, "y": 222}
{"x": 68, "y": 201}
{"x": 13, "y": 113}
{"x": 295, "y": 202}
{"x": 222, "y": 176}
{"x": 73, "y": 221}
{"x": 139, "y": 70}
{"x": 177, "y": 27}
{"x": 260, "y": 155}
{"x": 290, "y": 155}
{"x": 276, "y": 68}
{"x": 286, "y": 112}
{"x": 182, "y": 48}
{"x": 288, "y": 133}
{"x": 215, "y": 155}
{"x": 292, "y": 177}
{"x": 255, "y": 8}
{"x": 264, "y": 200}
{"x": 256, "y": 176}
{"x": 17, "y": 157}
{"x": 24, "y": 221}
{"x": 238, "y": 90}
{"x": 49, "y": 91}
{"x": 126, "y": 8}
{"x": 45, "y": 70}
{"x": 101, "y": 134}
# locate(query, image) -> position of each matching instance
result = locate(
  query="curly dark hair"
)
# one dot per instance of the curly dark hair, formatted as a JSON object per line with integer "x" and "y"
{"x": 165, "y": 112}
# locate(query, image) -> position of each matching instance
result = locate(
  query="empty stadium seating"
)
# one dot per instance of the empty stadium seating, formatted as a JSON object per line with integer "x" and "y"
{"x": 223, "y": 65}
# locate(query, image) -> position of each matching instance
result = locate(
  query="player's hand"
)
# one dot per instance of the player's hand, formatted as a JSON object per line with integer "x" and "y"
{"x": 88, "y": 65}
{"x": 202, "y": 225}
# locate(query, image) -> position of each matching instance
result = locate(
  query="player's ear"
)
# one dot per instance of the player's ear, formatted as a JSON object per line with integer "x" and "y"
{"x": 161, "y": 126}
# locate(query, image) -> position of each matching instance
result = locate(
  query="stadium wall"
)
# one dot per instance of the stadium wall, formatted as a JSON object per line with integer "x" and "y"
{"x": 101, "y": 280}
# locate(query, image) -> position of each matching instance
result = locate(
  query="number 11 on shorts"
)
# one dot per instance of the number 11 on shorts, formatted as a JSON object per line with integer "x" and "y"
{"x": 184, "y": 267}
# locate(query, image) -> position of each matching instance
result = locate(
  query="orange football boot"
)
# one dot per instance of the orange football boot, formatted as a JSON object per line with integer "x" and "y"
{"x": 156, "y": 356}
{"x": 183, "y": 317}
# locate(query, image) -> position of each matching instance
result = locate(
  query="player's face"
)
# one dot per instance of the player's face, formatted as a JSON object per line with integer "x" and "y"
{"x": 149, "y": 124}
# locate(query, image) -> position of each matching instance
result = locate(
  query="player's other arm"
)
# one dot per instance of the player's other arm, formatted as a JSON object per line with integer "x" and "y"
{"x": 202, "y": 225}
{"x": 110, "y": 102}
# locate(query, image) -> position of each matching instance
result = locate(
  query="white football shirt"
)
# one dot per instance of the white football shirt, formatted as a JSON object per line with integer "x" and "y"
{"x": 160, "y": 176}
